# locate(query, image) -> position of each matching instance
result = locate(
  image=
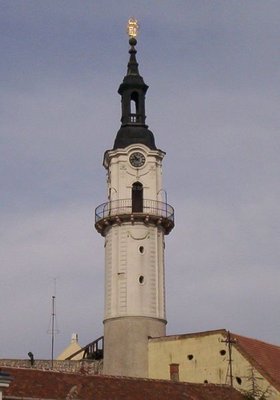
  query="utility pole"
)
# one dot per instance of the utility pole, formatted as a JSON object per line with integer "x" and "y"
{"x": 229, "y": 341}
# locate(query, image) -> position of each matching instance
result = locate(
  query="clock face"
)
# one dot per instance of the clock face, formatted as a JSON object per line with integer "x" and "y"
{"x": 137, "y": 159}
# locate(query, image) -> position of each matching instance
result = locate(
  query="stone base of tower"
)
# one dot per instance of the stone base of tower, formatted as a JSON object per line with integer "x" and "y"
{"x": 126, "y": 344}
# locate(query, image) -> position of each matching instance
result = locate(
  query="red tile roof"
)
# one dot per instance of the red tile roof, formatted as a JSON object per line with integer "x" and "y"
{"x": 29, "y": 383}
{"x": 263, "y": 356}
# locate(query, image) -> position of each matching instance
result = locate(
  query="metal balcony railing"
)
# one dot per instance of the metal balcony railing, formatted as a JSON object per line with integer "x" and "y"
{"x": 151, "y": 208}
{"x": 92, "y": 351}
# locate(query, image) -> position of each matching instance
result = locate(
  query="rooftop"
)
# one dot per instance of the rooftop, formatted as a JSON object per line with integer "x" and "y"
{"x": 29, "y": 383}
{"x": 265, "y": 357}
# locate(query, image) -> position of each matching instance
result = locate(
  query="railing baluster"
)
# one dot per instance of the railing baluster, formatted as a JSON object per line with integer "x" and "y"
{"x": 124, "y": 206}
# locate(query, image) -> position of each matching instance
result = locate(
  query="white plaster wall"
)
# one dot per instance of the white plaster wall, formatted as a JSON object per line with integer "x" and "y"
{"x": 134, "y": 278}
{"x": 121, "y": 175}
{"x": 125, "y": 295}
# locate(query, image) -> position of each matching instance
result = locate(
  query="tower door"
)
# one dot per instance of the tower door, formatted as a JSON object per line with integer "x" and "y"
{"x": 137, "y": 197}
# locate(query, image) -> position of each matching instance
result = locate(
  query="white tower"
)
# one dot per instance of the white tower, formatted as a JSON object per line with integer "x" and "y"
{"x": 133, "y": 222}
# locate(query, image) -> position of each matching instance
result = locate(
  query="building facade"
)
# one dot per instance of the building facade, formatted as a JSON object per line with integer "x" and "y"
{"x": 249, "y": 365}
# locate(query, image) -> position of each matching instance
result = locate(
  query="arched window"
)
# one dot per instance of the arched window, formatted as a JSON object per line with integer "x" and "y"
{"x": 134, "y": 106}
{"x": 137, "y": 197}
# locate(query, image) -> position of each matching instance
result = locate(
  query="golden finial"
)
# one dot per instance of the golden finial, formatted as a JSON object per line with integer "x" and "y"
{"x": 132, "y": 27}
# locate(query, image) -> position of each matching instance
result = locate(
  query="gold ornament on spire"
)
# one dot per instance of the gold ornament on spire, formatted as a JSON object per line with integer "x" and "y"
{"x": 132, "y": 27}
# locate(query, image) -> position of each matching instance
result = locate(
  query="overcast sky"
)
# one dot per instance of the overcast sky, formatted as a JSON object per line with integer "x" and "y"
{"x": 213, "y": 104}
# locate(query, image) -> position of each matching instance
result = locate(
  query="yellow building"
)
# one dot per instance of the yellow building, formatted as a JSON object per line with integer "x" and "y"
{"x": 218, "y": 357}
{"x": 72, "y": 348}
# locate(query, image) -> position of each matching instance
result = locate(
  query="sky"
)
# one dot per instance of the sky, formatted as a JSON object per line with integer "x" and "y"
{"x": 212, "y": 67}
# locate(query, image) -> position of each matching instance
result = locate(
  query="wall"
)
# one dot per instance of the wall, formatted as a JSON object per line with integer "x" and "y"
{"x": 203, "y": 358}
{"x": 88, "y": 367}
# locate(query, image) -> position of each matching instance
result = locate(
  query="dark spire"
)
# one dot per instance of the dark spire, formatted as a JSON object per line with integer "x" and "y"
{"x": 132, "y": 66}
{"x": 133, "y": 90}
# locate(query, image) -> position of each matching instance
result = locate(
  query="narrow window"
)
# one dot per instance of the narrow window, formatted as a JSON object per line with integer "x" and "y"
{"x": 141, "y": 249}
{"x": 134, "y": 107}
{"x": 137, "y": 197}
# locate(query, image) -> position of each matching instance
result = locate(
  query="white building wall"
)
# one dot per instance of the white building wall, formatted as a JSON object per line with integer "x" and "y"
{"x": 134, "y": 271}
{"x": 134, "y": 264}
{"x": 121, "y": 175}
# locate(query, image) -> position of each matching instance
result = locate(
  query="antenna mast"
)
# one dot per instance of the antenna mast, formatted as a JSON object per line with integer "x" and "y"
{"x": 53, "y": 331}
{"x": 53, "y": 326}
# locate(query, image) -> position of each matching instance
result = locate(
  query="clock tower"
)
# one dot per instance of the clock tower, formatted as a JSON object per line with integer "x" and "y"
{"x": 133, "y": 222}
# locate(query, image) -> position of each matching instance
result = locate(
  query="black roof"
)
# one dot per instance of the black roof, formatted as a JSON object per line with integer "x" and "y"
{"x": 128, "y": 135}
{"x": 133, "y": 90}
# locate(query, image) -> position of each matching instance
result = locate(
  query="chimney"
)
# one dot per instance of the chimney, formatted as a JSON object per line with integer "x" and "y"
{"x": 74, "y": 338}
{"x": 174, "y": 372}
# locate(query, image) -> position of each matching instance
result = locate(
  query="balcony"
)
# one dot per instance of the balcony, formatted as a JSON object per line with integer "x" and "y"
{"x": 147, "y": 211}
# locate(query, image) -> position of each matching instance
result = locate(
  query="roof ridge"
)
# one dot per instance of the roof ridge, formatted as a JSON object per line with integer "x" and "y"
{"x": 191, "y": 334}
{"x": 255, "y": 340}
